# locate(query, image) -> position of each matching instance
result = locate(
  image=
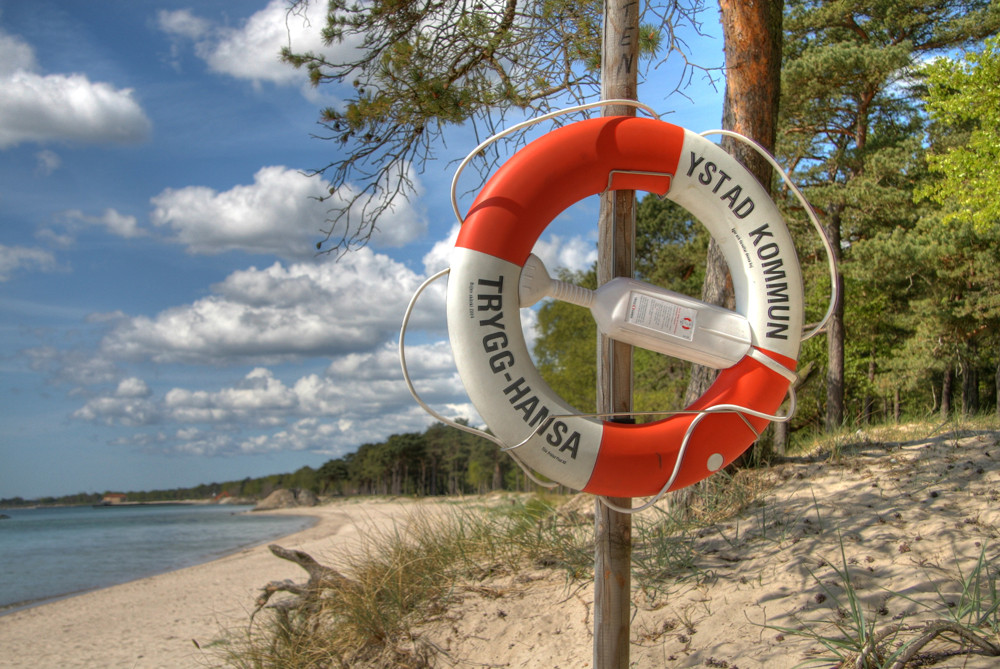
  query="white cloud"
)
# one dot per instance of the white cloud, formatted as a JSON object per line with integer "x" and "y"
{"x": 281, "y": 312}
{"x": 346, "y": 312}
{"x": 278, "y": 214}
{"x": 118, "y": 224}
{"x": 575, "y": 253}
{"x": 48, "y": 162}
{"x": 75, "y": 367}
{"x": 361, "y": 398}
{"x": 132, "y": 387}
{"x": 15, "y": 55}
{"x": 61, "y": 107}
{"x": 127, "y": 411}
{"x": 251, "y": 51}
{"x": 182, "y": 23}
{"x": 439, "y": 257}
{"x": 18, "y": 258}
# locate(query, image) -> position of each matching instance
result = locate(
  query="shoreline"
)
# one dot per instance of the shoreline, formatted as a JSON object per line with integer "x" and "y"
{"x": 175, "y": 618}
{"x": 13, "y": 607}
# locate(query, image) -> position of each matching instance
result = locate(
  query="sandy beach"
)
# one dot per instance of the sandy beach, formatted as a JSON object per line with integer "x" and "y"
{"x": 160, "y": 621}
{"x": 905, "y": 520}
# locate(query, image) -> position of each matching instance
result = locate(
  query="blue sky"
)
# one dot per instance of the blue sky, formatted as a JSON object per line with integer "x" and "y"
{"x": 164, "y": 320}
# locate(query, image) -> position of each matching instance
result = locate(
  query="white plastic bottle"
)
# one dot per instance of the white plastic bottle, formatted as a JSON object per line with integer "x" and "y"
{"x": 644, "y": 315}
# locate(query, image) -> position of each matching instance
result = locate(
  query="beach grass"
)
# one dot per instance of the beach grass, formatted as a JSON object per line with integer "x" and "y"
{"x": 407, "y": 575}
{"x": 413, "y": 574}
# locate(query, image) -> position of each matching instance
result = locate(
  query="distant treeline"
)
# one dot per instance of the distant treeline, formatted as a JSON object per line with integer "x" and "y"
{"x": 439, "y": 461}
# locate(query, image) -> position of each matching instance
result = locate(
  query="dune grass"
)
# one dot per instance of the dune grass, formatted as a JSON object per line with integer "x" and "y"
{"x": 409, "y": 575}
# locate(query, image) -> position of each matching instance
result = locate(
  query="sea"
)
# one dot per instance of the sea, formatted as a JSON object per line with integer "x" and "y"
{"x": 50, "y": 553}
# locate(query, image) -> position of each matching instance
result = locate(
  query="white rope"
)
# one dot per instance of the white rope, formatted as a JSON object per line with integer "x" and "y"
{"x": 527, "y": 124}
{"x": 426, "y": 407}
{"x": 685, "y": 442}
{"x": 742, "y": 411}
{"x": 831, "y": 259}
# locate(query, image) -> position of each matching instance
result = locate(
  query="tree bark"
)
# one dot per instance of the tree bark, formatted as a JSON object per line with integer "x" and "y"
{"x": 868, "y": 401}
{"x": 835, "y": 339}
{"x": 947, "y": 390}
{"x": 753, "y": 38}
{"x": 970, "y": 387}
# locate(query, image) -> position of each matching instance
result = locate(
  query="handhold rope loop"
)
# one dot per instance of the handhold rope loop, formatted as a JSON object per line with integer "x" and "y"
{"x": 531, "y": 422}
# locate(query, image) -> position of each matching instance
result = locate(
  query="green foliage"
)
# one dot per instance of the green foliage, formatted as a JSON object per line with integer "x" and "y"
{"x": 852, "y": 132}
{"x": 670, "y": 252}
{"x": 566, "y": 348}
{"x": 417, "y": 68}
{"x": 439, "y": 461}
{"x": 963, "y": 99}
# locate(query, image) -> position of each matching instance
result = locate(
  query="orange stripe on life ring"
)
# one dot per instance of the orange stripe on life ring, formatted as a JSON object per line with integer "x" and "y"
{"x": 561, "y": 168}
{"x": 636, "y": 460}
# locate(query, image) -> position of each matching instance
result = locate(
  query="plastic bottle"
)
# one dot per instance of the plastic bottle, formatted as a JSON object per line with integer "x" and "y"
{"x": 644, "y": 315}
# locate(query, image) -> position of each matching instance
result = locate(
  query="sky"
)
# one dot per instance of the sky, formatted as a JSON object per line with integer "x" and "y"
{"x": 165, "y": 320}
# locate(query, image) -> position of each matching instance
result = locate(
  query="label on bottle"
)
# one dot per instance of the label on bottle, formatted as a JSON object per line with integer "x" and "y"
{"x": 661, "y": 315}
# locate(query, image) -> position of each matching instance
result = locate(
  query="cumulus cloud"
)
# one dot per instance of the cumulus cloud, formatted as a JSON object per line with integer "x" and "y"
{"x": 121, "y": 225}
{"x": 575, "y": 253}
{"x": 48, "y": 161}
{"x": 345, "y": 313}
{"x": 23, "y": 258}
{"x": 78, "y": 368}
{"x": 330, "y": 412}
{"x": 251, "y": 50}
{"x": 16, "y": 55}
{"x": 132, "y": 387}
{"x": 61, "y": 107}
{"x": 182, "y": 23}
{"x": 280, "y": 313}
{"x": 279, "y": 213}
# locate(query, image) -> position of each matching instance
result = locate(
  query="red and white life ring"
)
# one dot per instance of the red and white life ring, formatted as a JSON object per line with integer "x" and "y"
{"x": 507, "y": 218}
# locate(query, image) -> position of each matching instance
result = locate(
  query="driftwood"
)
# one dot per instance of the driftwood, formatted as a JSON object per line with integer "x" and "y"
{"x": 977, "y": 645}
{"x": 308, "y": 594}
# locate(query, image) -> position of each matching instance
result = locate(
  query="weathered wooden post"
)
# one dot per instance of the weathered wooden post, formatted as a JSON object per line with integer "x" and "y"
{"x": 616, "y": 250}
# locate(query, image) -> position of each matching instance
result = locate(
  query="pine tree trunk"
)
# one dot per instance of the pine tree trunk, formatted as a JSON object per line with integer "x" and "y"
{"x": 868, "y": 405}
{"x": 752, "y": 37}
{"x": 947, "y": 390}
{"x": 835, "y": 340}
{"x": 970, "y": 388}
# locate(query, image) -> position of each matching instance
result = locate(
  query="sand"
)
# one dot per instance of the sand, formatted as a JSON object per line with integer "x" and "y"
{"x": 901, "y": 519}
{"x": 898, "y": 519}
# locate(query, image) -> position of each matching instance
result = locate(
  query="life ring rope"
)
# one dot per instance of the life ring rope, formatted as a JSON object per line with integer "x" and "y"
{"x": 831, "y": 259}
{"x": 426, "y": 407}
{"x": 712, "y": 403}
{"x": 517, "y": 127}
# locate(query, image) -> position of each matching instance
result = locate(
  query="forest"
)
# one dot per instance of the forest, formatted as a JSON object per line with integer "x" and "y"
{"x": 439, "y": 461}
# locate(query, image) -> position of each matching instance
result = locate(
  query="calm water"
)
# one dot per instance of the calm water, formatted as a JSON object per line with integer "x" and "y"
{"x": 48, "y": 553}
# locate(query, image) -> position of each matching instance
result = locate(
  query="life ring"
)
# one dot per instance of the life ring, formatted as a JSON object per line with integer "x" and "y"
{"x": 484, "y": 325}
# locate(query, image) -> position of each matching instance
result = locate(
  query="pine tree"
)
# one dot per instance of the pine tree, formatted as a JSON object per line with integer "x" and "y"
{"x": 848, "y": 106}
{"x": 419, "y": 67}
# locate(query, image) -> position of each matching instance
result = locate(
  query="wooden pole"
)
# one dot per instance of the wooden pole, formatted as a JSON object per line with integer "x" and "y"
{"x": 616, "y": 251}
